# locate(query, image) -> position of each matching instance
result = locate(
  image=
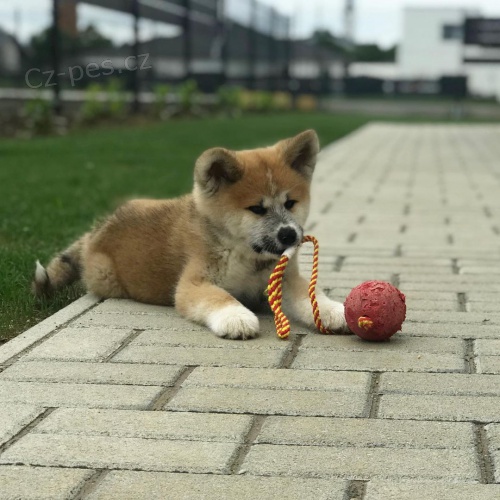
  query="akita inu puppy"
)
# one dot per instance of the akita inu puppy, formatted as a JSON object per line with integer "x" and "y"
{"x": 209, "y": 253}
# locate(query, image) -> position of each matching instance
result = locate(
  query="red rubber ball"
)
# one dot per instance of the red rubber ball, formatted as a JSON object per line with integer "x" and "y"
{"x": 375, "y": 310}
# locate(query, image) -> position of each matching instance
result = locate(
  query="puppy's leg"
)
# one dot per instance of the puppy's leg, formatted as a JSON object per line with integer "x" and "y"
{"x": 298, "y": 305}
{"x": 210, "y": 305}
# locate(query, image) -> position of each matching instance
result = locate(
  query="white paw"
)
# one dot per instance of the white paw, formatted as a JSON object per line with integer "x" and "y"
{"x": 234, "y": 322}
{"x": 332, "y": 315}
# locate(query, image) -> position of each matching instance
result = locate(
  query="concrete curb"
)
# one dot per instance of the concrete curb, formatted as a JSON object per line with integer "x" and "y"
{"x": 22, "y": 342}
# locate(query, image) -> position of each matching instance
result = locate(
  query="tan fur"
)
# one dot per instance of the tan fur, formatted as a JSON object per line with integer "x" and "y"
{"x": 194, "y": 251}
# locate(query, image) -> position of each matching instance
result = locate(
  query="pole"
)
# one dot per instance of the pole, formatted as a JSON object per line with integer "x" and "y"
{"x": 288, "y": 53}
{"x": 186, "y": 25}
{"x": 272, "y": 56}
{"x": 224, "y": 34}
{"x": 254, "y": 57}
{"x": 56, "y": 58}
{"x": 136, "y": 84}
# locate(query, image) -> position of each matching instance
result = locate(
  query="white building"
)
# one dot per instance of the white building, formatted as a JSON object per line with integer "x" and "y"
{"x": 432, "y": 47}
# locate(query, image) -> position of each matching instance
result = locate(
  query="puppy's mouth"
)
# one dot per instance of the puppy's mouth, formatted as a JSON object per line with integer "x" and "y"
{"x": 269, "y": 248}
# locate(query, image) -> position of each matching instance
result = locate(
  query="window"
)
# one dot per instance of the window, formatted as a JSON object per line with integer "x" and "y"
{"x": 453, "y": 32}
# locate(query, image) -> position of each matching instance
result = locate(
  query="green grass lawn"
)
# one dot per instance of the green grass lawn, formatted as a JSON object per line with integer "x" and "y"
{"x": 51, "y": 189}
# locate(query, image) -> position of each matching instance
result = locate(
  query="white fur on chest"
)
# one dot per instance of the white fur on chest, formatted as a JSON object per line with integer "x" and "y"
{"x": 237, "y": 272}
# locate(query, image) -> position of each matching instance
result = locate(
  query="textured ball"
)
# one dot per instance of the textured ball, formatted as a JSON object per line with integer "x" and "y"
{"x": 375, "y": 310}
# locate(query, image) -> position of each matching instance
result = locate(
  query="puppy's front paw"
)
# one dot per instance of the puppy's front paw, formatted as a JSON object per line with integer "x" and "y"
{"x": 332, "y": 315}
{"x": 234, "y": 322}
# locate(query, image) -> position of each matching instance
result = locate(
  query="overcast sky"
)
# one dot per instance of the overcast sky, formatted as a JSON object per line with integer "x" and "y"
{"x": 376, "y": 20}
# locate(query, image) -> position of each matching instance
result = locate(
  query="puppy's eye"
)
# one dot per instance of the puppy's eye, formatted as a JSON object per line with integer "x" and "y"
{"x": 258, "y": 209}
{"x": 289, "y": 204}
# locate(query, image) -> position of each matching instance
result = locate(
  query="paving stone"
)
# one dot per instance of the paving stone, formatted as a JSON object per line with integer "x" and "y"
{"x": 484, "y": 263}
{"x": 485, "y": 307}
{"x": 431, "y": 305}
{"x": 80, "y": 344}
{"x": 13, "y": 417}
{"x": 446, "y": 383}
{"x": 487, "y": 347}
{"x": 92, "y": 373}
{"x": 361, "y": 463}
{"x": 41, "y": 483}
{"x": 454, "y": 287}
{"x": 482, "y": 270}
{"x": 462, "y": 318}
{"x": 261, "y": 378}
{"x": 398, "y": 261}
{"x": 398, "y": 342}
{"x": 118, "y": 485}
{"x": 349, "y": 280}
{"x": 454, "y": 330}
{"x": 395, "y": 490}
{"x": 390, "y": 360}
{"x": 167, "y": 323}
{"x": 396, "y": 267}
{"x": 267, "y": 340}
{"x": 481, "y": 296}
{"x": 427, "y": 296}
{"x": 446, "y": 252}
{"x": 493, "y": 431}
{"x": 442, "y": 278}
{"x": 365, "y": 432}
{"x": 327, "y": 249}
{"x": 125, "y": 306}
{"x": 87, "y": 395}
{"x": 488, "y": 364}
{"x": 99, "y": 452}
{"x": 440, "y": 407}
{"x": 200, "y": 356}
{"x": 147, "y": 424}
{"x": 268, "y": 402}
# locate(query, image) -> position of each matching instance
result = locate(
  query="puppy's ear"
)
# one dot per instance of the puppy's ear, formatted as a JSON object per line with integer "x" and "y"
{"x": 300, "y": 152}
{"x": 215, "y": 168}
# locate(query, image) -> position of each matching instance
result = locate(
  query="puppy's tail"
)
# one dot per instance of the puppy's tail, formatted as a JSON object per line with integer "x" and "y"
{"x": 63, "y": 270}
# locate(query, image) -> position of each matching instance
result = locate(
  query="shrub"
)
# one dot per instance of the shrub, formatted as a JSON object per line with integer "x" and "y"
{"x": 282, "y": 101}
{"x": 161, "y": 93}
{"x": 40, "y": 119}
{"x": 306, "y": 102}
{"x": 94, "y": 106}
{"x": 187, "y": 94}
{"x": 230, "y": 99}
{"x": 116, "y": 99}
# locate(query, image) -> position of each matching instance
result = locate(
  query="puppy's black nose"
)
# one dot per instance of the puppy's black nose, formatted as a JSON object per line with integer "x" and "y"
{"x": 287, "y": 236}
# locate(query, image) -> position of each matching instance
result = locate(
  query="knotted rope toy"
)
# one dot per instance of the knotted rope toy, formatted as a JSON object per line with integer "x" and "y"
{"x": 275, "y": 296}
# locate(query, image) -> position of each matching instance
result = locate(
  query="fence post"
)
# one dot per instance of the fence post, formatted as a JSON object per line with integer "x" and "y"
{"x": 186, "y": 25}
{"x": 56, "y": 58}
{"x": 273, "y": 62}
{"x": 223, "y": 28}
{"x": 136, "y": 84}
{"x": 253, "y": 39}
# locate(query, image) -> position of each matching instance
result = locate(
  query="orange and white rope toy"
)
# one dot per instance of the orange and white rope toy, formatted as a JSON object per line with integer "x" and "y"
{"x": 275, "y": 296}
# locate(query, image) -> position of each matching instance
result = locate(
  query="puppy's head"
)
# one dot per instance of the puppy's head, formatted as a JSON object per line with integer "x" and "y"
{"x": 258, "y": 197}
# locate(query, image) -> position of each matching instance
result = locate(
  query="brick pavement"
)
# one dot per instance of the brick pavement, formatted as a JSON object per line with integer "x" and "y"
{"x": 120, "y": 400}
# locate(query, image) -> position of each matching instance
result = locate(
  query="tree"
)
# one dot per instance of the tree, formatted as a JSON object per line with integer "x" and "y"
{"x": 367, "y": 52}
{"x": 40, "y": 45}
{"x": 371, "y": 52}
{"x": 325, "y": 39}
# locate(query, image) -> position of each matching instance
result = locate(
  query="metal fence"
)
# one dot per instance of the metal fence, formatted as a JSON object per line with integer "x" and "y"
{"x": 144, "y": 43}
